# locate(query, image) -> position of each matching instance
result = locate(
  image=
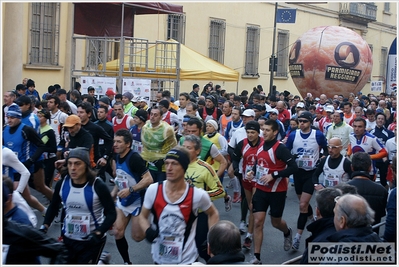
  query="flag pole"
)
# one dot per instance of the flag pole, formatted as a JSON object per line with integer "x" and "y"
{"x": 271, "y": 91}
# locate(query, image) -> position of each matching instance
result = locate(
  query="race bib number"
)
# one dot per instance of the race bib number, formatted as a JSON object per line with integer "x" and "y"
{"x": 248, "y": 169}
{"x": 171, "y": 249}
{"x": 77, "y": 226}
{"x": 260, "y": 172}
{"x": 331, "y": 180}
{"x": 306, "y": 162}
{"x": 121, "y": 182}
{"x": 137, "y": 146}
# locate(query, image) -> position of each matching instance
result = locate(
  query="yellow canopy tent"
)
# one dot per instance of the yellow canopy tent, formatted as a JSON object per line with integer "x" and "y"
{"x": 193, "y": 65}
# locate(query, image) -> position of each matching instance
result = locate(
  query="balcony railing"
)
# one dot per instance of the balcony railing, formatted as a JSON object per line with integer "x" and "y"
{"x": 358, "y": 12}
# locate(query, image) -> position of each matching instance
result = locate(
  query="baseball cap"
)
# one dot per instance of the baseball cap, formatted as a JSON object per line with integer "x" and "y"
{"x": 110, "y": 92}
{"x": 135, "y": 99}
{"x": 72, "y": 120}
{"x": 273, "y": 110}
{"x": 306, "y": 115}
{"x": 248, "y": 113}
{"x": 329, "y": 108}
{"x": 142, "y": 115}
{"x": 90, "y": 88}
{"x": 300, "y": 105}
{"x": 81, "y": 153}
{"x": 253, "y": 125}
{"x": 222, "y": 100}
{"x": 128, "y": 95}
{"x": 14, "y": 111}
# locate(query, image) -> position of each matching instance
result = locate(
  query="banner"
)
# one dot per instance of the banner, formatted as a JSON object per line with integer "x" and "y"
{"x": 391, "y": 69}
{"x": 100, "y": 84}
{"x": 138, "y": 87}
{"x": 376, "y": 86}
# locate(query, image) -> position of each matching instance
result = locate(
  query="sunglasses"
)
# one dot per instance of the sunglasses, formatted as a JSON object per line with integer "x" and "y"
{"x": 331, "y": 147}
{"x": 303, "y": 121}
{"x": 272, "y": 113}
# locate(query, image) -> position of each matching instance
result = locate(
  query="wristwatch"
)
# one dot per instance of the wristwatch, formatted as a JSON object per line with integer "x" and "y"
{"x": 131, "y": 190}
{"x": 105, "y": 157}
{"x": 275, "y": 173}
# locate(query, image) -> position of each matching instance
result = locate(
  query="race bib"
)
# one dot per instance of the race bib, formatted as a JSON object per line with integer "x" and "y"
{"x": 137, "y": 146}
{"x": 121, "y": 182}
{"x": 170, "y": 248}
{"x": 77, "y": 226}
{"x": 260, "y": 172}
{"x": 306, "y": 162}
{"x": 248, "y": 169}
{"x": 331, "y": 180}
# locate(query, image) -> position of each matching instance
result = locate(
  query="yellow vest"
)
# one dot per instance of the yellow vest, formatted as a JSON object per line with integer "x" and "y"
{"x": 215, "y": 140}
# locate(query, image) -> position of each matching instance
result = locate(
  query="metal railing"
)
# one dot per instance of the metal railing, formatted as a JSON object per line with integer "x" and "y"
{"x": 366, "y": 11}
{"x": 124, "y": 57}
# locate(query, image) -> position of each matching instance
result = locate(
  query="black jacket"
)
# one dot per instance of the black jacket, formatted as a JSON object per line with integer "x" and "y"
{"x": 26, "y": 243}
{"x": 361, "y": 234}
{"x": 97, "y": 132}
{"x": 375, "y": 194}
{"x": 320, "y": 229}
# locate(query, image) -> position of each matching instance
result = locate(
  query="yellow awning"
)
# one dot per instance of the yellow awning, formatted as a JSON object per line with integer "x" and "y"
{"x": 193, "y": 66}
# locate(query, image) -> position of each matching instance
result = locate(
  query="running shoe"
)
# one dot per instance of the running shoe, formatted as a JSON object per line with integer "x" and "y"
{"x": 295, "y": 244}
{"x": 243, "y": 227}
{"x": 227, "y": 203}
{"x": 288, "y": 241}
{"x": 247, "y": 243}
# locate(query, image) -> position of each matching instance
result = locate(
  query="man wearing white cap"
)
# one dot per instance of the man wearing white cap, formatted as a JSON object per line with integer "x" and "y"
{"x": 340, "y": 129}
{"x": 273, "y": 115}
{"x": 326, "y": 121}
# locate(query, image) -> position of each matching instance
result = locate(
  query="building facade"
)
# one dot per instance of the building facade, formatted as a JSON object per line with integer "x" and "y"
{"x": 238, "y": 34}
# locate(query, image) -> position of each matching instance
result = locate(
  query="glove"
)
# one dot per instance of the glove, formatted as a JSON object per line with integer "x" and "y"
{"x": 93, "y": 238}
{"x": 151, "y": 234}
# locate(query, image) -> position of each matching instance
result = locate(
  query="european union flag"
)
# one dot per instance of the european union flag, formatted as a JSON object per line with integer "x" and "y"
{"x": 286, "y": 15}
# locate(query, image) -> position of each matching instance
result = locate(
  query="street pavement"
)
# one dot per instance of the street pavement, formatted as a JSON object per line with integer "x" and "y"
{"x": 272, "y": 248}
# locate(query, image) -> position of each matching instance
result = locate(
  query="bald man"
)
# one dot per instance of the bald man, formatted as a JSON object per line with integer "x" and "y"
{"x": 352, "y": 220}
{"x": 335, "y": 167}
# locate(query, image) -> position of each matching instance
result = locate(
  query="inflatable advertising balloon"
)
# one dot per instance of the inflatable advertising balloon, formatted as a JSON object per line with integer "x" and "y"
{"x": 330, "y": 60}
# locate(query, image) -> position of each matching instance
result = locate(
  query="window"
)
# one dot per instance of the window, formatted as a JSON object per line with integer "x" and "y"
{"x": 282, "y": 54}
{"x": 387, "y": 7}
{"x": 176, "y": 28}
{"x": 383, "y": 61}
{"x": 216, "y": 42}
{"x": 44, "y": 33}
{"x": 252, "y": 50}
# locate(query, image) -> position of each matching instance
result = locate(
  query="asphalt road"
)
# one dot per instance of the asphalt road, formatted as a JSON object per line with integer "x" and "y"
{"x": 272, "y": 248}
